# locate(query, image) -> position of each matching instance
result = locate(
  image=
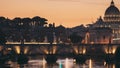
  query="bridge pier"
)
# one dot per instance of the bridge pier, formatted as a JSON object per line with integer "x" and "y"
{"x": 80, "y": 59}
{"x": 51, "y": 58}
{"x": 117, "y": 55}
{"x": 109, "y": 58}
{"x": 22, "y": 59}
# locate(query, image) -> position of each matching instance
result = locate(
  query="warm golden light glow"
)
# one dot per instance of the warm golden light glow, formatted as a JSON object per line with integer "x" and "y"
{"x": 76, "y": 50}
{"x": 90, "y": 63}
{"x": 1, "y": 47}
{"x": 66, "y": 63}
{"x": 54, "y": 49}
{"x": 26, "y": 50}
{"x": 46, "y": 51}
{"x": 92, "y": 42}
{"x": 44, "y": 62}
{"x": 17, "y": 48}
{"x": 80, "y": 50}
{"x": 84, "y": 51}
{"x": 110, "y": 66}
{"x": 114, "y": 50}
{"x": 110, "y": 50}
{"x": 29, "y": 43}
{"x": 51, "y": 50}
{"x": 114, "y": 66}
{"x": 9, "y": 48}
{"x": 104, "y": 63}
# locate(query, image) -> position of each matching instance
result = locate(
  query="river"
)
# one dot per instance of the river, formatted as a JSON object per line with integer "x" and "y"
{"x": 63, "y": 63}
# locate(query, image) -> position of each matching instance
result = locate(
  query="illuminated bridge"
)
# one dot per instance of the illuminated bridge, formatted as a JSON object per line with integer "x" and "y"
{"x": 22, "y": 52}
{"x": 61, "y": 49}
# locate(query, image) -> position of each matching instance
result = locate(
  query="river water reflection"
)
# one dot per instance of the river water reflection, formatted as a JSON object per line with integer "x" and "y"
{"x": 64, "y": 63}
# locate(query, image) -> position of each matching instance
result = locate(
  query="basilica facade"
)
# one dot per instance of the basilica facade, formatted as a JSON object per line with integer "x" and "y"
{"x": 106, "y": 29}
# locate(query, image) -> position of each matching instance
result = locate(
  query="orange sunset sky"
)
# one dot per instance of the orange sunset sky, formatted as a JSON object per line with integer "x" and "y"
{"x": 69, "y": 13}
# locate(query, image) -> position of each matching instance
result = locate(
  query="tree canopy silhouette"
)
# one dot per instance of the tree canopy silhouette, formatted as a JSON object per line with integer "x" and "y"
{"x": 2, "y": 38}
{"x": 30, "y": 29}
{"x": 39, "y": 21}
{"x": 75, "y": 38}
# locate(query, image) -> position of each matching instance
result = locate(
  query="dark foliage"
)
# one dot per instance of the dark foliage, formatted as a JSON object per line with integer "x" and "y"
{"x": 76, "y": 38}
{"x": 2, "y": 37}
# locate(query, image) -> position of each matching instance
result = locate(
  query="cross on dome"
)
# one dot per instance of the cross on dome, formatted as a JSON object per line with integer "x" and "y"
{"x": 112, "y": 3}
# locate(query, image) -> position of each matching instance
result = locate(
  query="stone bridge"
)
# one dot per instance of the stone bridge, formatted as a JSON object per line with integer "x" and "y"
{"x": 61, "y": 49}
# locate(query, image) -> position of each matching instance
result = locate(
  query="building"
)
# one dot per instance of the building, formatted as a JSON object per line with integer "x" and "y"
{"x": 110, "y": 20}
{"x": 100, "y": 35}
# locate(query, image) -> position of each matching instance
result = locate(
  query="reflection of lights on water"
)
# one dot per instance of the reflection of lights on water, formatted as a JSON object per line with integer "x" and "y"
{"x": 66, "y": 63}
{"x": 104, "y": 63}
{"x": 84, "y": 66}
{"x": 113, "y": 65}
{"x": 74, "y": 61}
{"x": 37, "y": 63}
{"x": 90, "y": 63}
{"x": 110, "y": 66}
{"x": 44, "y": 62}
{"x": 60, "y": 65}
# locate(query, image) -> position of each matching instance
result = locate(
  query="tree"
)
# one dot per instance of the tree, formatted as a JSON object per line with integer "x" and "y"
{"x": 43, "y": 21}
{"x": 26, "y": 22}
{"x": 60, "y": 33}
{"x": 2, "y": 19}
{"x": 6, "y": 27}
{"x": 76, "y": 38}
{"x": 2, "y": 37}
{"x": 18, "y": 22}
{"x": 50, "y": 31}
{"x": 16, "y": 35}
{"x": 38, "y": 21}
{"x": 26, "y": 28}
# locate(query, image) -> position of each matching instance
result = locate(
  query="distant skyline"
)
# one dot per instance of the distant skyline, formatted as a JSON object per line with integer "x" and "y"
{"x": 69, "y": 13}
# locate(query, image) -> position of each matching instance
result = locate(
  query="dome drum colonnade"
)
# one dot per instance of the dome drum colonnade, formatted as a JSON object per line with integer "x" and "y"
{"x": 112, "y": 13}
